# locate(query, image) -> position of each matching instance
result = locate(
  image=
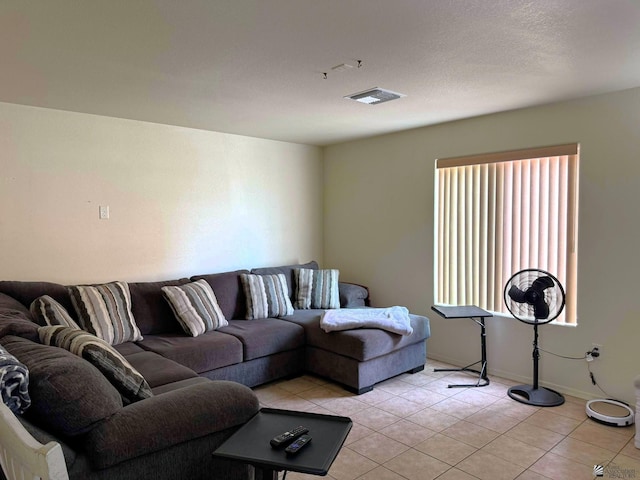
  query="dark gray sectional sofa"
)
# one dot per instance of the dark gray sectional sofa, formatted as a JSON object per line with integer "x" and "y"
{"x": 203, "y": 377}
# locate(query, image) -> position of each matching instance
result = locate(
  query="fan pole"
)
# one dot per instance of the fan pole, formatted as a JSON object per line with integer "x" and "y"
{"x": 536, "y": 356}
{"x": 532, "y": 394}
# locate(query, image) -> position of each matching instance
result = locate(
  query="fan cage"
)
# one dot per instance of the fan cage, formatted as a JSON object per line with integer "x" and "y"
{"x": 554, "y": 296}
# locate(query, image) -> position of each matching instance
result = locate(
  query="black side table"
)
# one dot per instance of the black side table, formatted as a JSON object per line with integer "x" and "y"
{"x": 477, "y": 315}
{"x": 250, "y": 444}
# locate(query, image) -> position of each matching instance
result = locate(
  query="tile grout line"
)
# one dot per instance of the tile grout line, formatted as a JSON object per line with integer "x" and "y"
{"x": 395, "y": 388}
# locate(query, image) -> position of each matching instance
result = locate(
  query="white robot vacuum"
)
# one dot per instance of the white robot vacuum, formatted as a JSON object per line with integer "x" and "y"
{"x": 610, "y": 412}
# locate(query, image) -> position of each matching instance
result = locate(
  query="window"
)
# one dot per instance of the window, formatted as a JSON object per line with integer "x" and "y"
{"x": 497, "y": 214}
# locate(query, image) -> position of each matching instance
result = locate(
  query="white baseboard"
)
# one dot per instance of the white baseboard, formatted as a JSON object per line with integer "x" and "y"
{"x": 525, "y": 380}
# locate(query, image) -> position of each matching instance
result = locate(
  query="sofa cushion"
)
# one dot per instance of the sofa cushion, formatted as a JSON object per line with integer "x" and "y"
{"x": 128, "y": 348}
{"x": 195, "y": 307}
{"x": 27, "y": 292}
{"x": 187, "y": 382}
{"x": 316, "y": 288}
{"x": 47, "y": 311}
{"x": 228, "y": 290}
{"x": 361, "y": 344}
{"x": 287, "y": 270}
{"x": 69, "y": 396}
{"x": 15, "y": 319}
{"x": 158, "y": 370}
{"x": 205, "y": 352}
{"x": 151, "y": 311}
{"x": 122, "y": 375}
{"x": 105, "y": 311}
{"x": 265, "y": 336}
{"x": 266, "y": 296}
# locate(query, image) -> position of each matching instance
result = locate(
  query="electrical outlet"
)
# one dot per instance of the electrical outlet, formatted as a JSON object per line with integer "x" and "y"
{"x": 595, "y": 352}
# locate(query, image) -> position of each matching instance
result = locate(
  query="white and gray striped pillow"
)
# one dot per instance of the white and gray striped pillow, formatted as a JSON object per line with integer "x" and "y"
{"x": 267, "y": 295}
{"x": 48, "y": 311}
{"x": 122, "y": 375}
{"x": 195, "y": 307}
{"x": 316, "y": 288}
{"x": 105, "y": 311}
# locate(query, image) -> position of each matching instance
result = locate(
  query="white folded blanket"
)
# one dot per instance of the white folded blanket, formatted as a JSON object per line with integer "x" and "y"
{"x": 393, "y": 319}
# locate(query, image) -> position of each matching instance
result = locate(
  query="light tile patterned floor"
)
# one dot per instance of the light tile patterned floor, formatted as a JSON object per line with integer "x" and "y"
{"x": 414, "y": 427}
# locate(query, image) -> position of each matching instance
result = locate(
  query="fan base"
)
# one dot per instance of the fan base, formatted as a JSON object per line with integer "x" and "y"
{"x": 540, "y": 397}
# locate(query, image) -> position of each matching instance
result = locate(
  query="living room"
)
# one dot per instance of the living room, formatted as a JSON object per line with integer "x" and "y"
{"x": 184, "y": 201}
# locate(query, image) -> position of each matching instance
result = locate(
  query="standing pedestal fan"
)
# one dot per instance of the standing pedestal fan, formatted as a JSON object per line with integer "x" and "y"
{"x": 534, "y": 297}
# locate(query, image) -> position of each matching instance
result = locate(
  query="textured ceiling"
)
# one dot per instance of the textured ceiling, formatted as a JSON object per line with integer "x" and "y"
{"x": 254, "y": 67}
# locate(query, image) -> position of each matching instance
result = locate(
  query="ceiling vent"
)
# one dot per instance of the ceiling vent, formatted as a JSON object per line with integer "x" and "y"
{"x": 374, "y": 96}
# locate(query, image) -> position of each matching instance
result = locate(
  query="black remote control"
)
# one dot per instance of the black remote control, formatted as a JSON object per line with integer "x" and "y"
{"x": 287, "y": 437}
{"x": 296, "y": 446}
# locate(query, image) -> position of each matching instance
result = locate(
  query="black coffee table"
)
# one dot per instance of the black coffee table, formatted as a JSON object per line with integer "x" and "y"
{"x": 250, "y": 444}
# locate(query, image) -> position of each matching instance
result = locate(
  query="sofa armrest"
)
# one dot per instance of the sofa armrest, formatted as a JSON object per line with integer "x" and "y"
{"x": 160, "y": 422}
{"x": 353, "y": 295}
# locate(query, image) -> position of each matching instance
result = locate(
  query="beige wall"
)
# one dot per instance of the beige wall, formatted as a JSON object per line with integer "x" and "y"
{"x": 379, "y": 231}
{"x": 182, "y": 201}
{"x": 186, "y": 201}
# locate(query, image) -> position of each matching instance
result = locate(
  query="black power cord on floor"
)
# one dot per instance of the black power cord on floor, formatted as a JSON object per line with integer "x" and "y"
{"x": 593, "y": 353}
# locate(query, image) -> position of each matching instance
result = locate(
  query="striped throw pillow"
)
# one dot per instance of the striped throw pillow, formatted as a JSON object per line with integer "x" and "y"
{"x": 316, "y": 288}
{"x": 49, "y": 312}
{"x": 105, "y": 311}
{"x": 267, "y": 295}
{"x": 124, "y": 377}
{"x": 195, "y": 307}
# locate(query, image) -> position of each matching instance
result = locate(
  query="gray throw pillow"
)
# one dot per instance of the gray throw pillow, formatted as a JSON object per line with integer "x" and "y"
{"x": 122, "y": 375}
{"x": 267, "y": 296}
{"x": 195, "y": 307}
{"x": 105, "y": 311}
{"x": 49, "y": 312}
{"x": 316, "y": 288}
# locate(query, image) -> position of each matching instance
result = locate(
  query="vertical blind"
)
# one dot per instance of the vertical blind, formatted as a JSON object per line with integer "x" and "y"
{"x": 497, "y": 214}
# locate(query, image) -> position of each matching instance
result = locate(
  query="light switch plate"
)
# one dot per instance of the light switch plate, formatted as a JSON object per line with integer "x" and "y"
{"x": 104, "y": 212}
